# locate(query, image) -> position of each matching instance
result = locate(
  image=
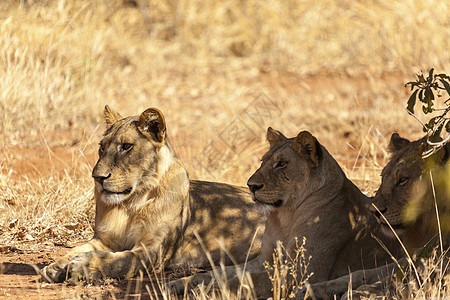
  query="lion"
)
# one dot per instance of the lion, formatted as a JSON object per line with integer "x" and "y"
{"x": 305, "y": 194}
{"x": 149, "y": 214}
{"x": 404, "y": 202}
{"x": 404, "y": 206}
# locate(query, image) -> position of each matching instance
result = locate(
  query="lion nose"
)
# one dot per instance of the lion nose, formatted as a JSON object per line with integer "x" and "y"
{"x": 254, "y": 187}
{"x": 100, "y": 179}
{"x": 377, "y": 212}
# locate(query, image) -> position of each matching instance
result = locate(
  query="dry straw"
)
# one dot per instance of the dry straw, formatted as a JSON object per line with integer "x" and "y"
{"x": 334, "y": 67}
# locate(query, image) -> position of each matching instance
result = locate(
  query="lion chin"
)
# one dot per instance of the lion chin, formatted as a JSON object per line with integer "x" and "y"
{"x": 389, "y": 232}
{"x": 265, "y": 207}
{"x": 113, "y": 198}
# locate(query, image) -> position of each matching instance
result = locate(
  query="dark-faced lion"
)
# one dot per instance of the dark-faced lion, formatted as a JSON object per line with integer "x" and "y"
{"x": 305, "y": 194}
{"x": 412, "y": 190}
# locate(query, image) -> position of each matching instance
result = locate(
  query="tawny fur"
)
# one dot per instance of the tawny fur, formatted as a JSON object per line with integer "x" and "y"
{"x": 405, "y": 203}
{"x": 148, "y": 211}
{"x": 306, "y": 194}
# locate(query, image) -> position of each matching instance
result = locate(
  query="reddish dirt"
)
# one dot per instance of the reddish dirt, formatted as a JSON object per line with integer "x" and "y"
{"x": 18, "y": 280}
{"x": 47, "y": 155}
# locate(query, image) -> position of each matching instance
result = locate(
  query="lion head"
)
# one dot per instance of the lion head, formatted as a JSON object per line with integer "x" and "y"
{"x": 133, "y": 157}
{"x": 290, "y": 171}
{"x": 405, "y": 198}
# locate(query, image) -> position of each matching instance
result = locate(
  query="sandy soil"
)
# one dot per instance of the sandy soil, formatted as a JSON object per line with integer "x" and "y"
{"x": 19, "y": 280}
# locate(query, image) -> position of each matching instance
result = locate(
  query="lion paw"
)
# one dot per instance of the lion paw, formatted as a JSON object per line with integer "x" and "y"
{"x": 180, "y": 286}
{"x": 55, "y": 272}
{"x": 82, "y": 268}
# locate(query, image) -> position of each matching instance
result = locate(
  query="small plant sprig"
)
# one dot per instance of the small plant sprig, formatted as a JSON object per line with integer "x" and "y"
{"x": 288, "y": 273}
{"x": 427, "y": 90}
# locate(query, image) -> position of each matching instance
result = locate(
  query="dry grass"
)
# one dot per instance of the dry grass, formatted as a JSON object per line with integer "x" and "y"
{"x": 334, "y": 67}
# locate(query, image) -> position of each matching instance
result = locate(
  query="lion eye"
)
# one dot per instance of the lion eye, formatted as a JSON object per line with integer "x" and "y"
{"x": 280, "y": 164}
{"x": 101, "y": 149}
{"x": 126, "y": 146}
{"x": 403, "y": 180}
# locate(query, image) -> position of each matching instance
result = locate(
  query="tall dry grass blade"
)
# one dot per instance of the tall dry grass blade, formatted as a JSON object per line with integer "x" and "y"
{"x": 138, "y": 287}
{"x": 349, "y": 289}
{"x": 161, "y": 284}
{"x": 441, "y": 244}
{"x": 241, "y": 273}
{"x": 211, "y": 262}
{"x": 361, "y": 148}
{"x": 394, "y": 259}
{"x": 408, "y": 257}
{"x": 309, "y": 292}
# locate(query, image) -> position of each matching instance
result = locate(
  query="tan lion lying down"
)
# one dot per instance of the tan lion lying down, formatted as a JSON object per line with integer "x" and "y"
{"x": 147, "y": 209}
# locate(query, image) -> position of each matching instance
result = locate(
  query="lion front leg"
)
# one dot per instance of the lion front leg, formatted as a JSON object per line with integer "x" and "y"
{"x": 232, "y": 275}
{"x": 57, "y": 271}
{"x": 106, "y": 264}
{"x": 93, "y": 265}
{"x": 363, "y": 282}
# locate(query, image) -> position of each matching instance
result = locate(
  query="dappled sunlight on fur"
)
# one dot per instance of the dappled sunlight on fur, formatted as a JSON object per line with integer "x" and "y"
{"x": 311, "y": 199}
{"x": 412, "y": 206}
{"x": 154, "y": 224}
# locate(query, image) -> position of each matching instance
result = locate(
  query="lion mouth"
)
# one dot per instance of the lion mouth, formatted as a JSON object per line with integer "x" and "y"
{"x": 275, "y": 204}
{"x": 278, "y": 203}
{"x": 388, "y": 229}
{"x": 383, "y": 223}
{"x": 125, "y": 192}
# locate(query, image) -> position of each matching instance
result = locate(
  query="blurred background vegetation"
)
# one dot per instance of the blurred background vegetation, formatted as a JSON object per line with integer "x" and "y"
{"x": 334, "y": 67}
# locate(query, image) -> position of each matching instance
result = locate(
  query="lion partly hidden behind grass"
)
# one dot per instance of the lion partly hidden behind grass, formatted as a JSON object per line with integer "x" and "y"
{"x": 412, "y": 191}
{"x": 148, "y": 212}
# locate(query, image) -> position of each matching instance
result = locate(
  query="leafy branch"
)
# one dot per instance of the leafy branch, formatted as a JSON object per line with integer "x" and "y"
{"x": 427, "y": 90}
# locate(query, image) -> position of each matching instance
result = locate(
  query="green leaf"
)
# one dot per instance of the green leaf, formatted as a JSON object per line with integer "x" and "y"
{"x": 412, "y": 83}
{"x": 421, "y": 79}
{"x": 412, "y": 102}
{"x": 429, "y": 96}
{"x": 446, "y": 85}
{"x": 436, "y": 136}
{"x": 430, "y": 75}
{"x": 429, "y": 107}
{"x": 430, "y": 123}
{"x": 421, "y": 96}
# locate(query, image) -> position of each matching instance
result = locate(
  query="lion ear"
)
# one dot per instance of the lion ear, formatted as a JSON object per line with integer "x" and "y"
{"x": 274, "y": 136}
{"x": 307, "y": 147}
{"x": 111, "y": 116}
{"x": 397, "y": 143}
{"x": 152, "y": 125}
